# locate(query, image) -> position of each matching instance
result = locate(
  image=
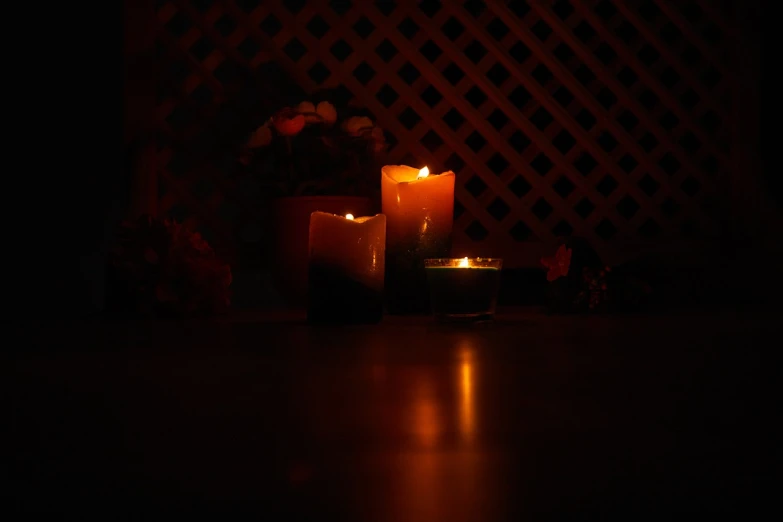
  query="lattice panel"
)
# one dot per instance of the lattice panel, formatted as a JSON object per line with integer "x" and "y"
{"x": 603, "y": 119}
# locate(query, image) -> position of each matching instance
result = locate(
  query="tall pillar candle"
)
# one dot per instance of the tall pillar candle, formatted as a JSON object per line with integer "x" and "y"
{"x": 346, "y": 268}
{"x": 419, "y": 209}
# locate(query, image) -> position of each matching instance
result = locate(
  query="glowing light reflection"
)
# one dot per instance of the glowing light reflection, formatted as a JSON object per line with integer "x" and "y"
{"x": 426, "y": 421}
{"x": 467, "y": 421}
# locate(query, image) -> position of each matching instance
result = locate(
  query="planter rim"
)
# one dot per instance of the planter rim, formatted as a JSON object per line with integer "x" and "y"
{"x": 320, "y": 197}
{"x": 317, "y": 198}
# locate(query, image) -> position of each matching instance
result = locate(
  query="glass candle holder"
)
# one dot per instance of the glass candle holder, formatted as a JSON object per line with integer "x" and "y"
{"x": 463, "y": 289}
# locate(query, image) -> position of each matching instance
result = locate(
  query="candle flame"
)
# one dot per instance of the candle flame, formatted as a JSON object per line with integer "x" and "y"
{"x": 463, "y": 263}
{"x": 349, "y": 216}
{"x": 423, "y": 173}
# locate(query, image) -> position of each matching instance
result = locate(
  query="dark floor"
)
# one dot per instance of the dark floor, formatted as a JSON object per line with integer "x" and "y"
{"x": 533, "y": 417}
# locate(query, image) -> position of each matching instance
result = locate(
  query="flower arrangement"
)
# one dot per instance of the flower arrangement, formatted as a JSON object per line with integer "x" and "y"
{"x": 312, "y": 149}
{"x": 580, "y": 282}
{"x": 160, "y": 268}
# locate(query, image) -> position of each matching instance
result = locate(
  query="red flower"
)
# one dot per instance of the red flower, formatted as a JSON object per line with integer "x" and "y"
{"x": 558, "y": 265}
{"x": 288, "y": 122}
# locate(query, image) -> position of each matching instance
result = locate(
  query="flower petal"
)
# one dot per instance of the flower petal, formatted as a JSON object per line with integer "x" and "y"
{"x": 305, "y": 106}
{"x": 307, "y": 109}
{"x": 260, "y": 138}
{"x": 355, "y": 125}
{"x": 327, "y": 111}
{"x": 288, "y": 124}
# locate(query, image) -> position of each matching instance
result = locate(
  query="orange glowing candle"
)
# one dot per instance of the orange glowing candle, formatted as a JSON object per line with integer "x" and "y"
{"x": 346, "y": 268}
{"x": 419, "y": 207}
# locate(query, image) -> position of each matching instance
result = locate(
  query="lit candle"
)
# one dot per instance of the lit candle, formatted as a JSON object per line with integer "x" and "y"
{"x": 346, "y": 268}
{"x": 419, "y": 207}
{"x": 463, "y": 288}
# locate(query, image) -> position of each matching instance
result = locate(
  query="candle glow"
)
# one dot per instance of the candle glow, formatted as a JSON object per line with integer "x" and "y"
{"x": 346, "y": 268}
{"x": 419, "y": 206}
{"x": 466, "y": 389}
{"x": 456, "y": 293}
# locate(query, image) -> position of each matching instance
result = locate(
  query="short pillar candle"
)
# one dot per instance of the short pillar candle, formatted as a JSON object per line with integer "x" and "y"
{"x": 346, "y": 268}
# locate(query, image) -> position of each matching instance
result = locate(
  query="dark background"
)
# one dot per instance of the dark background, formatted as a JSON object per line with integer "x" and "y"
{"x": 59, "y": 216}
{"x": 73, "y": 187}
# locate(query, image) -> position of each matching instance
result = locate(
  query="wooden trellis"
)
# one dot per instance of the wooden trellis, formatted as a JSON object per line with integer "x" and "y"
{"x": 603, "y": 119}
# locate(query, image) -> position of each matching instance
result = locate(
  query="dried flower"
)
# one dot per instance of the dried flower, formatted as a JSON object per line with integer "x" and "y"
{"x": 261, "y": 137}
{"x": 594, "y": 291}
{"x": 327, "y": 111}
{"x": 379, "y": 139}
{"x": 307, "y": 109}
{"x": 150, "y": 256}
{"x": 357, "y": 124}
{"x": 288, "y": 122}
{"x": 559, "y": 264}
{"x": 314, "y": 151}
{"x": 162, "y": 267}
